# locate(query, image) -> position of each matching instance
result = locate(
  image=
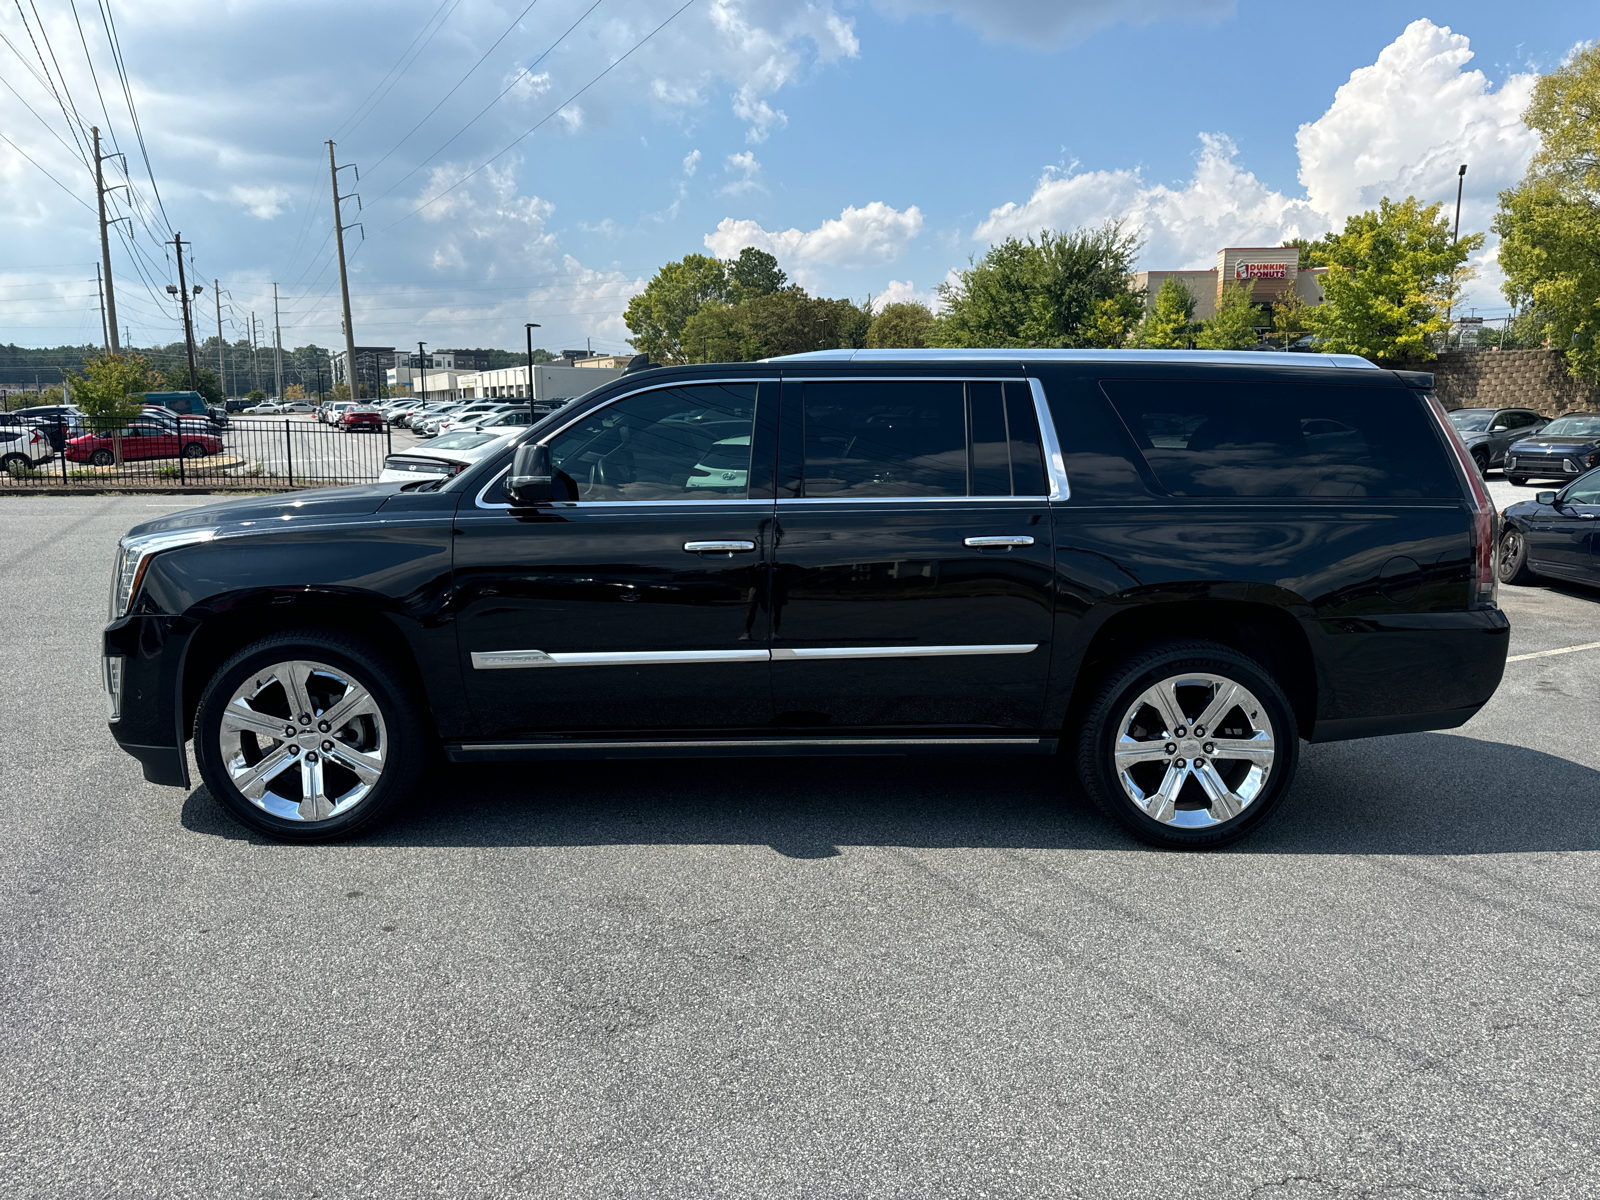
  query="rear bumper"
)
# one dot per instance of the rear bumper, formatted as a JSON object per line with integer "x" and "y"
{"x": 1404, "y": 673}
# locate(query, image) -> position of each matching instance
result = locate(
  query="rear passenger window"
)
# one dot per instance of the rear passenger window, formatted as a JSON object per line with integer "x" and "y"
{"x": 921, "y": 438}
{"x": 1282, "y": 440}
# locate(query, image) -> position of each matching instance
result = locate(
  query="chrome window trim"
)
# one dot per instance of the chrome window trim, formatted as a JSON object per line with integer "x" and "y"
{"x": 1054, "y": 464}
{"x": 544, "y": 439}
{"x": 1226, "y": 358}
{"x": 801, "y": 500}
{"x": 731, "y": 743}
{"x": 504, "y": 660}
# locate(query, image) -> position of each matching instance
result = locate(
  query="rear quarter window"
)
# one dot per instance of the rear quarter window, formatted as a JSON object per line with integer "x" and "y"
{"x": 1205, "y": 439}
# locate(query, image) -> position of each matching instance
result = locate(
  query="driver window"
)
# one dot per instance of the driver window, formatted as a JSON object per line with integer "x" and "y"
{"x": 1583, "y": 491}
{"x": 682, "y": 443}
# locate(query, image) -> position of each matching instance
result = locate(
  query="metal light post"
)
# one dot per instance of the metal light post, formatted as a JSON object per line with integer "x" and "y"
{"x": 422, "y": 371}
{"x": 530, "y": 327}
{"x": 1461, "y": 179}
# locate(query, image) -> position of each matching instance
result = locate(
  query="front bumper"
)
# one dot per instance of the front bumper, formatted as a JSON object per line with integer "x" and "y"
{"x": 149, "y": 721}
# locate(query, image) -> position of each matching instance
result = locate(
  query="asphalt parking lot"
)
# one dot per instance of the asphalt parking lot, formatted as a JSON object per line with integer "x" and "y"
{"x": 863, "y": 978}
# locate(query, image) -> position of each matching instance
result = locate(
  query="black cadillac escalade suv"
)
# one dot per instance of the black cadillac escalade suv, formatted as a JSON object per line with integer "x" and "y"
{"x": 1168, "y": 568}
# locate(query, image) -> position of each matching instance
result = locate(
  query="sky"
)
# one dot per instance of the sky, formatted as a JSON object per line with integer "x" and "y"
{"x": 539, "y": 161}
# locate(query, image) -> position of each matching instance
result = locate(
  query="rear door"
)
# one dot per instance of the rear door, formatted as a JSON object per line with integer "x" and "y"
{"x": 912, "y": 579}
{"x": 638, "y": 604}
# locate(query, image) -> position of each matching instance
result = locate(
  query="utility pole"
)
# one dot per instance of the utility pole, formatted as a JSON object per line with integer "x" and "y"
{"x": 277, "y": 345}
{"x": 255, "y": 368}
{"x": 183, "y": 295}
{"x": 344, "y": 278}
{"x": 530, "y": 327}
{"x": 105, "y": 241}
{"x": 100, "y": 289}
{"x": 422, "y": 371}
{"x": 222, "y": 365}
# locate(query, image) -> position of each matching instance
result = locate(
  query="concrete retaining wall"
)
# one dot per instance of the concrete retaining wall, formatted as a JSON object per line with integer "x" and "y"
{"x": 1535, "y": 379}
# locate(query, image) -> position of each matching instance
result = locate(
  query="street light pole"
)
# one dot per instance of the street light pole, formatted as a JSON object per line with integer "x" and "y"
{"x": 1461, "y": 178}
{"x": 422, "y": 371}
{"x": 531, "y": 326}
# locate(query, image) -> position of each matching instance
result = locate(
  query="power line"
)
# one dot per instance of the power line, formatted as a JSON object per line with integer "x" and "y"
{"x": 127, "y": 95}
{"x": 47, "y": 174}
{"x": 48, "y": 80}
{"x": 342, "y": 130}
{"x": 518, "y": 79}
{"x": 48, "y": 127}
{"x": 94, "y": 75}
{"x": 549, "y": 117}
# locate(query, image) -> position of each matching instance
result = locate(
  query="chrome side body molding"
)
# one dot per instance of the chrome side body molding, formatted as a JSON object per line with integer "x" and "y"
{"x": 501, "y": 660}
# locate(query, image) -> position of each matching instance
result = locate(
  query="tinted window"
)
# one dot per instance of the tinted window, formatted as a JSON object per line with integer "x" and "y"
{"x": 921, "y": 438}
{"x": 1584, "y": 491}
{"x": 1582, "y": 426}
{"x": 1473, "y": 420}
{"x": 653, "y": 446}
{"x": 1264, "y": 439}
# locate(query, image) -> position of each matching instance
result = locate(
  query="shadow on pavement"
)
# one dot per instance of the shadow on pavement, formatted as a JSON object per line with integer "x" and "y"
{"x": 1419, "y": 794}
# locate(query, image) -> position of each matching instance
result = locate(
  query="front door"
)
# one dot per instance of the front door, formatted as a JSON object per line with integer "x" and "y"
{"x": 912, "y": 577}
{"x": 1561, "y": 536}
{"x": 639, "y": 602}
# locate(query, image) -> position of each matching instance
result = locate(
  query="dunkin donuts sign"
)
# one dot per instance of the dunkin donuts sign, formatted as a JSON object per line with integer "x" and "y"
{"x": 1261, "y": 271}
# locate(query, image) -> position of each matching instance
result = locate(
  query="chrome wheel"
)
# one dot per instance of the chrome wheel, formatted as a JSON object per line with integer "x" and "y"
{"x": 1194, "y": 750}
{"x": 303, "y": 741}
{"x": 1510, "y": 555}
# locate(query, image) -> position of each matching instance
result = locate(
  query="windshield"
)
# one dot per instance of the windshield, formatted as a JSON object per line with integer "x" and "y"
{"x": 1587, "y": 425}
{"x": 1471, "y": 420}
{"x": 461, "y": 441}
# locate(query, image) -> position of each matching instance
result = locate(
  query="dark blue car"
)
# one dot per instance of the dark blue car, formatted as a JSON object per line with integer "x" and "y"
{"x": 1556, "y": 534}
{"x": 1563, "y": 449}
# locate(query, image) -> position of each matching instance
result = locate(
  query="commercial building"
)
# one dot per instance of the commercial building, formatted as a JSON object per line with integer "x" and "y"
{"x": 551, "y": 381}
{"x": 371, "y": 362}
{"x": 1272, "y": 272}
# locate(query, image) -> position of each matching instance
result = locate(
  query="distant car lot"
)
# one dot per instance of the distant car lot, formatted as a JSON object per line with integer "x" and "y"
{"x": 856, "y": 978}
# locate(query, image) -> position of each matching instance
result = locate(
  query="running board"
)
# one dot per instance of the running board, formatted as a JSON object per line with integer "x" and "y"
{"x": 752, "y": 747}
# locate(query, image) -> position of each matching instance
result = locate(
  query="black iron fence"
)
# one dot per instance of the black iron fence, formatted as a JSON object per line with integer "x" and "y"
{"x": 249, "y": 454}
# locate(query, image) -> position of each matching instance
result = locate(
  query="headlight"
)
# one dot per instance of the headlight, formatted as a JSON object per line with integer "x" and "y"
{"x": 134, "y": 554}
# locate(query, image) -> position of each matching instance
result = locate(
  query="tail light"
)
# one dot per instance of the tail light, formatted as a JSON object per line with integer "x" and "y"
{"x": 1484, "y": 590}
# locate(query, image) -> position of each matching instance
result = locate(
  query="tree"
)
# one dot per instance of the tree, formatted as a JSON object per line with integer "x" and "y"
{"x": 1400, "y": 269}
{"x": 754, "y": 273}
{"x": 108, "y": 392}
{"x": 176, "y": 379}
{"x": 259, "y": 397}
{"x": 1112, "y": 324}
{"x": 658, "y": 315}
{"x": 1041, "y": 292}
{"x": 1169, "y": 325}
{"x": 787, "y": 321}
{"x": 1289, "y": 317}
{"x": 903, "y": 325}
{"x": 1234, "y": 326}
{"x": 1549, "y": 224}
{"x": 294, "y": 391}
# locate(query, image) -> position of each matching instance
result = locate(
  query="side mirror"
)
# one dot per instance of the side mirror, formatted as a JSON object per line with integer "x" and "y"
{"x": 529, "y": 481}
{"x": 1545, "y": 498}
{"x": 1499, "y": 428}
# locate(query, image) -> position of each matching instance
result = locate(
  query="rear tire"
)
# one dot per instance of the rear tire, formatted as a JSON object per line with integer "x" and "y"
{"x": 1157, "y": 770}
{"x": 102, "y": 458}
{"x": 292, "y": 775}
{"x": 194, "y": 450}
{"x": 1482, "y": 460}
{"x": 1513, "y": 565}
{"x": 1517, "y": 480}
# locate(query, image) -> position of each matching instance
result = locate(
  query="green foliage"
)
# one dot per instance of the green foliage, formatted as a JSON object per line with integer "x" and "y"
{"x": 1037, "y": 293}
{"x": 1313, "y": 251}
{"x": 1289, "y": 318}
{"x": 783, "y": 322}
{"x": 1169, "y": 325}
{"x": 659, "y": 315}
{"x": 176, "y": 379}
{"x": 1234, "y": 326}
{"x": 259, "y": 397}
{"x": 1549, "y": 224}
{"x": 1111, "y": 325}
{"x": 109, "y": 388}
{"x": 754, "y": 273}
{"x": 906, "y": 325}
{"x": 1400, "y": 271}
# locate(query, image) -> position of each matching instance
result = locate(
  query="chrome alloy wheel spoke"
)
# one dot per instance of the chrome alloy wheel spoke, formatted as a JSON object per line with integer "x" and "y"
{"x": 1228, "y": 773}
{"x": 367, "y": 767}
{"x": 354, "y": 703}
{"x": 253, "y": 780}
{"x": 238, "y": 717}
{"x": 314, "y": 803}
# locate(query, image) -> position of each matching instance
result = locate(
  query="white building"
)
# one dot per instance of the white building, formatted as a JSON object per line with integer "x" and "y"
{"x": 551, "y": 381}
{"x": 1271, "y": 272}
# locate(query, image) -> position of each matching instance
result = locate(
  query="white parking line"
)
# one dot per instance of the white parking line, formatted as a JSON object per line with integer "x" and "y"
{"x": 1549, "y": 653}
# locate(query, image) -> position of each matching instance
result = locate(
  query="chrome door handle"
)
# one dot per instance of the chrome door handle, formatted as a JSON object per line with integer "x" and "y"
{"x": 984, "y": 543}
{"x": 718, "y": 547}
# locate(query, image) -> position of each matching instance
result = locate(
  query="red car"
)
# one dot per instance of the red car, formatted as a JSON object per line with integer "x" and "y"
{"x": 361, "y": 418}
{"x": 142, "y": 438}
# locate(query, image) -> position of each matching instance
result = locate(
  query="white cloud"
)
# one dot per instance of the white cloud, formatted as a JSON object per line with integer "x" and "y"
{"x": 866, "y": 236}
{"x": 263, "y": 203}
{"x": 1399, "y": 127}
{"x": 526, "y": 87}
{"x": 1051, "y": 22}
{"x": 749, "y": 169}
{"x": 691, "y": 162}
{"x": 904, "y": 292}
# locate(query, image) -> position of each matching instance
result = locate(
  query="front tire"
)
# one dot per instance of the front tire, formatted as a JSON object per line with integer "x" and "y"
{"x": 102, "y": 458}
{"x": 1188, "y": 745}
{"x": 194, "y": 450}
{"x": 1517, "y": 480}
{"x": 1482, "y": 460}
{"x": 1513, "y": 566}
{"x": 308, "y": 736}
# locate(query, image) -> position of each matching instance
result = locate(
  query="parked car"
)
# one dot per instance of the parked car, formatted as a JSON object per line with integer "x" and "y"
{"x": 329, "y": 413}
{"x": 1563, "y": 449}
{"x": 142, "y": 438}
{"x": 1489, "y": 432}
{"x": 473, "y": 417}
{"x": 218, "y": 416}
{"x": 57, "y": 422}
{"x": 447, "y": 455}
{"x": 426, "y": 420}
{"x": 23, "y": 444}
{"x": 173, "y": 422}
{"x": 1556, "y": 534}
{"x": 297, "y": 406}
{"x": 933, "y": 551}
{"x": 235, "y": 404}
{"x": 361, "y": 416}
{"x": 265, "y": 409}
